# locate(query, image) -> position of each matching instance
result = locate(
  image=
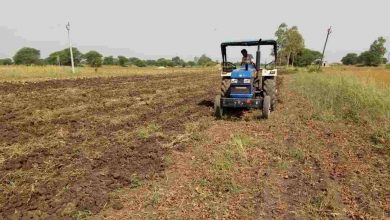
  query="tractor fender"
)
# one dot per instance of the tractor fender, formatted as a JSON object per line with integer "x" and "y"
{"x": 224, "y": 74}
{"x": 273, "y": 72}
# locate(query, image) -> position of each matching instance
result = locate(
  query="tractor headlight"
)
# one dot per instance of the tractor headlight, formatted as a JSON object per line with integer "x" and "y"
{"x": 234, "y": 81}
{"x": 247, "y": 80}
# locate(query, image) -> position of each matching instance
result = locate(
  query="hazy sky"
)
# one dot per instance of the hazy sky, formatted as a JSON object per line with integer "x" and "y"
{"x": 165, "y": 28}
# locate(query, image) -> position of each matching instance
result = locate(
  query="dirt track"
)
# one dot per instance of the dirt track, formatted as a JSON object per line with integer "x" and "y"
{"x": 148, "y": 147}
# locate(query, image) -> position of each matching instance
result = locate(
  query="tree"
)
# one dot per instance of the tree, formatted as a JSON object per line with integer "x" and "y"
{"x": 133, "y": 60}
{"x": 140, "y": 63}
{"x": 116, "y": 61}
{"x": 93, "y": 58}
{"x": 165, "y": 62}
{"x": 122, "y": 61}
{"x": 307, "y": 57}
{"x": 294, "y": 44}
{"x": 378, "y": 47}
{"x": 367, "y": 58}
{"x": 350, "y": 59}
{"x": 280, "y": 35}
{"x": 6, "y": 61}
{"x": 108, "y": 60}
{"x": 55, "y": 58}
{"x": 63, "y": 57}
{"x": 27, "y": 56}
{"x": 290, "y": 43}
{"x": 196, "y": 60}
{"x": 205, "y": 61}
{"x": 137, "y": 62}
{"x": 191, "y": 63}
{"x": 177, "y": 61}
{"x": 374, "y": 56}
{"x": 151, "y": 63}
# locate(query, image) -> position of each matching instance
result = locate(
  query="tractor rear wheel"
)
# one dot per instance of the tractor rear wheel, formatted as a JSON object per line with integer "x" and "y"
{"x": 225, "y": 85}
{"x": 266, "y": 107}
{"x": 218, "y": 109}
{"x": 270, "y": 90}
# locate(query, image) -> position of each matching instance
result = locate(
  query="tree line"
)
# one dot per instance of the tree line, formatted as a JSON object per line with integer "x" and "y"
{"x": 292, "y": 50}
{"x": 32, "y": 56}
{"x": 372, "y": 57}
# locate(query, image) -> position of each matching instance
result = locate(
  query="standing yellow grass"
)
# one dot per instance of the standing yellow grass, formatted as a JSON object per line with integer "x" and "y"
{"x": 379, "y": 75}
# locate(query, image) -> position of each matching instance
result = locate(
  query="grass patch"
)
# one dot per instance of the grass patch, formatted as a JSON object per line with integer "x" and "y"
{"x": 297, "y": 153}
{"x": 344, "y": 96}
{"x": 381, "y": 139}
{"x": 203, "y": 182}
{"x": 194, "y": 130}
{"x": 286, "y": 70}
{"x": 167, "y": 160}
{"x": 135, "y": 181}
{"x": 225, "y": 184}
{"x": 313, "y": 69}
{"x": 241, "y": 141}
{"x": 283, "y": 165}
{"x": 226, "y": 159}
{"x": 148, "y": 131}
{"x": 155, "y": 196}
{"x": 83, "y": 214}
{"x": 234, "y": 152}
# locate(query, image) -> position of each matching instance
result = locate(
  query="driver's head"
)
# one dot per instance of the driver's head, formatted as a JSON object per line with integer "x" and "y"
{"x": 244, "y": 52}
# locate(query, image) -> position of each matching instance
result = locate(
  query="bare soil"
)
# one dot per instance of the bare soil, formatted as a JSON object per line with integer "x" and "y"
{"x": 148, "y": 147}
{"x": 66, "y": 144}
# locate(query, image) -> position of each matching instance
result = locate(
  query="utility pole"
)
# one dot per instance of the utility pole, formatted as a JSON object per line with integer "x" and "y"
{"x": 70, "y": 46}
{"x": 323, "y": 51}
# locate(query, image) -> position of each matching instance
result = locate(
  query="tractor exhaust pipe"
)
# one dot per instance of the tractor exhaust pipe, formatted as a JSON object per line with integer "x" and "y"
{"x": 258, "y": 56}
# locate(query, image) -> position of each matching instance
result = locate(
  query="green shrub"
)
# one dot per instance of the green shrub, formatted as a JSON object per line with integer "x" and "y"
{"x": 387, "y": 66}
{"x": 313, "y": 69}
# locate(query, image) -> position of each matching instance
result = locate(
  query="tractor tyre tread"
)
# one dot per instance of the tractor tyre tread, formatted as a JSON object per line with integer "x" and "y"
{"x": 270, "y": 90}
{"x": 225, "y": 85}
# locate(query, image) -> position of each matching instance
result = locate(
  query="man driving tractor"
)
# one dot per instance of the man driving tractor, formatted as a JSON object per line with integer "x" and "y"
{"x": 246, "y": 58}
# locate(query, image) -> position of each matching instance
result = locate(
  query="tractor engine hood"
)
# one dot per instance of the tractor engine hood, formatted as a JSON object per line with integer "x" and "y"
{"x": 241, "y": 74}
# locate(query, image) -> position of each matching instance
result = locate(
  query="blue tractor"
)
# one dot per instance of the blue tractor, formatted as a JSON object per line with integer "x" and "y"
{"x": 248, "y": 86}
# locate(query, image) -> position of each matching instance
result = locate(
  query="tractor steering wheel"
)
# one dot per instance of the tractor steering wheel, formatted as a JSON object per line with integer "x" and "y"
{"x": 228, "y": 66}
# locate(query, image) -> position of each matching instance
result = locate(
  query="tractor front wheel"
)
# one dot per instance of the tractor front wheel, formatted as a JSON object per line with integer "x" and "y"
{"x": 266, "y": 107}
{"x": 225, "y": 85}
{"x": 218, "y": 109}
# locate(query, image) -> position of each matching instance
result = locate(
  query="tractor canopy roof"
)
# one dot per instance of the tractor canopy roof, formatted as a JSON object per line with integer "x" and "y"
{"x": 248, "y": 43}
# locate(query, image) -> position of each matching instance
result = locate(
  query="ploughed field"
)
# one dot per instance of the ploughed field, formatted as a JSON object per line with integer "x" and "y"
{"x": 65, "y": 145}
{"x": 146, "y": 146}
